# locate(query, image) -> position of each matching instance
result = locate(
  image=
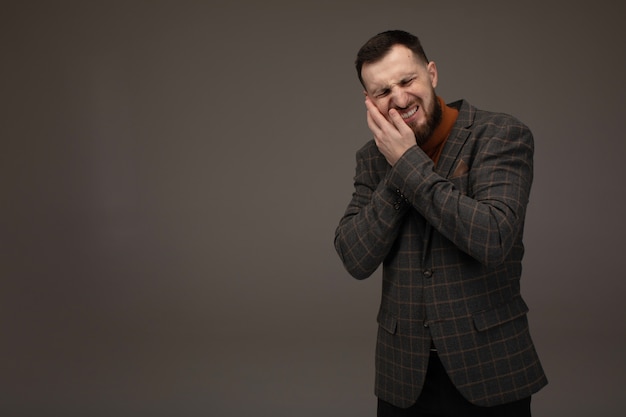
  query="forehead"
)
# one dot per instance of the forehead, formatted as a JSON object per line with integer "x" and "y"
{"x": 395, "y": 65}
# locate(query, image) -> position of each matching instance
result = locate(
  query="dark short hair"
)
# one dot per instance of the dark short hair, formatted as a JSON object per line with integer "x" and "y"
{"x": 378, "y": 46}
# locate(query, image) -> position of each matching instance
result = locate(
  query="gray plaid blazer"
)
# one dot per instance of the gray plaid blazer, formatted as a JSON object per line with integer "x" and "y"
{"x": 450, "y": 241}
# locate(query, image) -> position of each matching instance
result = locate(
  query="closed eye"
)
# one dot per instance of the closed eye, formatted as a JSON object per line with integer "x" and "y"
{"x": 382, "y": 93}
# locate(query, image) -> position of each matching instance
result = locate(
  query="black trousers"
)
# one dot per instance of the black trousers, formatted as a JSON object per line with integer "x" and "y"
{"x": 440, "y": 398}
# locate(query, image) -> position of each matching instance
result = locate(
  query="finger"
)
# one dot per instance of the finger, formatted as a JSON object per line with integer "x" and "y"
{"x": 396, "y": 119}
{"x": 373, "y": 117}
{"x": 376, "y": 115}
{"x": 374, "y": 128}
{"x": 399, "y": 122}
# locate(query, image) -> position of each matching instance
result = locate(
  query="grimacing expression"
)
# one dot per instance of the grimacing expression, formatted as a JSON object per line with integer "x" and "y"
{"x": 403, "y": 82}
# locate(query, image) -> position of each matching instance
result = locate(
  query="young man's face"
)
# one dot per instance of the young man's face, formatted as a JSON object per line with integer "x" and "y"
{"x": 403, "y": 82}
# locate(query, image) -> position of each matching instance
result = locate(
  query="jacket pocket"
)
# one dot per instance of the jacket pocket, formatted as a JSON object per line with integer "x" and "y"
{"x": 461, "y": 183}
{"x": 387, "y": 321}
{"x": 487, "y": 319}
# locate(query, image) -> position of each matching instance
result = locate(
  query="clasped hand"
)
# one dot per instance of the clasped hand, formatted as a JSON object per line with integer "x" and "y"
{"x": 393, "y": 137}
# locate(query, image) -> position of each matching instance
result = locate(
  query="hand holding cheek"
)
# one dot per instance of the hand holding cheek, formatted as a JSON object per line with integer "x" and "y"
{"x": 393, "y": 136}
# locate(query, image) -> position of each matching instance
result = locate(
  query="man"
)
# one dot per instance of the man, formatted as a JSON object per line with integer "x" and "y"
{"x": 440, "y": 199}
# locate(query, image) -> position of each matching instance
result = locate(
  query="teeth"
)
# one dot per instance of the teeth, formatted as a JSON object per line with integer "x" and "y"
{"x": 409, "y": 114}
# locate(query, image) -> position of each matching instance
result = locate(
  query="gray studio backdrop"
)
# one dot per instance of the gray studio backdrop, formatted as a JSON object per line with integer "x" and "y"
{"x": 172, "y": 174}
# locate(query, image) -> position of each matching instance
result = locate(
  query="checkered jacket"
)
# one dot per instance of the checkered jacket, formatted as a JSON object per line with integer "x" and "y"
{"x": 450, "y": 241}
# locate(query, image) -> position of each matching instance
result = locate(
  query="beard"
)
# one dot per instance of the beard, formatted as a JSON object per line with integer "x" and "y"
{"x": 433, "y": 118}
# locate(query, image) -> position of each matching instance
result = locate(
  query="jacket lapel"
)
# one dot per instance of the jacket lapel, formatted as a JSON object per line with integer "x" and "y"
{"x": 458, "y": 136}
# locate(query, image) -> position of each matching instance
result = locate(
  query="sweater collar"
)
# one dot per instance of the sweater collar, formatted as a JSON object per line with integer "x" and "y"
{"x": 435, "y": 142}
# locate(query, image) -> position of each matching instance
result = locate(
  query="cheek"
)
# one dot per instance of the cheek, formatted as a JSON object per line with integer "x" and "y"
{"x": 382, "y": 106}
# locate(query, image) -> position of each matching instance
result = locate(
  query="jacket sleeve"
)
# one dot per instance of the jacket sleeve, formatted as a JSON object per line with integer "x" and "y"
{"x": 484, "y": 218}
{"x": 371, "y": 222}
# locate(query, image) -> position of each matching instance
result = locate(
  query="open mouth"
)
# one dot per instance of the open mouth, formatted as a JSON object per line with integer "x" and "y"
{"x": 409, "y": 113}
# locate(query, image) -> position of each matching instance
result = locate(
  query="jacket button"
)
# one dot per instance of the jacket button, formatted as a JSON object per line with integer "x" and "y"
{"x": 428, "y": 273}
{"x": 425, "y": 323}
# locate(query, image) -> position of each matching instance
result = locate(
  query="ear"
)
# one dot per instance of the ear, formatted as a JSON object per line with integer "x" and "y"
{"x": 432, "y": 73}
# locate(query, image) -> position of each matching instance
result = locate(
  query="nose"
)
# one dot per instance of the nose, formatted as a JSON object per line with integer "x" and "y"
{"x": 399, "y": 97}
